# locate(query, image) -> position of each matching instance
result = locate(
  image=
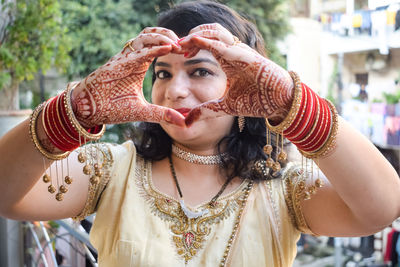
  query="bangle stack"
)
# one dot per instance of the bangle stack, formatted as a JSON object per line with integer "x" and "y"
{"x": 311, "y": 125}
{"x": 65, "y": 133}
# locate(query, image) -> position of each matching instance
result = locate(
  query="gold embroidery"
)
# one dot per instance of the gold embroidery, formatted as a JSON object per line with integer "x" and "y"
{"x": 95, "y": 190}
{"x": 188, "y": 235}
{"x": 295, "y": 185}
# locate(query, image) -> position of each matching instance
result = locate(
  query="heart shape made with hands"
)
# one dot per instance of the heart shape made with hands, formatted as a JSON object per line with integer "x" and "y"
{"x": 114, "y": 94}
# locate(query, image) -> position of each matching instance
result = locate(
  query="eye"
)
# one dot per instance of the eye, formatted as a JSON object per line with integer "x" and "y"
{"x": 201, "y": 72}
{"x": 162, "y": 74}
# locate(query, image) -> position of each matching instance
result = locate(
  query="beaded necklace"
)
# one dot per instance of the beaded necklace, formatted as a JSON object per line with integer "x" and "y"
{"x": 193, "y": 214}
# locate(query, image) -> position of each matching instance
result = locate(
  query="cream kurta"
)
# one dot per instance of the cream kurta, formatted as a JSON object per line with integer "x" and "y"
{"x": 136, "y": 225}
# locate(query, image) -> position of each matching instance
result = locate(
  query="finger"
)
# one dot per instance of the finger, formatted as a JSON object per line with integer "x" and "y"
{"x": 211, "y": 109}
{"x": 194, "y": 43}
{"x": 152, "y": 39}
{"x": 209, "y": 26}
{"x": 155, "y": 113}
{"x": 223, "y": 36}
{"x": 148, "y": 54}
{"x": 167, "y": 32}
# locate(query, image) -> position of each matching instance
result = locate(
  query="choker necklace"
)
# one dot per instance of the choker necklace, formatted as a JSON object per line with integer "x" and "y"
{"x": 194, "y": 214}
{"x": 197, "y": 159}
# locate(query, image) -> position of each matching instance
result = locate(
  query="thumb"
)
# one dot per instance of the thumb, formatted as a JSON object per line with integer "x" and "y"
{"x": 207, "y": 110}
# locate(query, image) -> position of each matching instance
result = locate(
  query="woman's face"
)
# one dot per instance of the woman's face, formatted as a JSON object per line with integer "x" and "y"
{"x": 183, "y": 83}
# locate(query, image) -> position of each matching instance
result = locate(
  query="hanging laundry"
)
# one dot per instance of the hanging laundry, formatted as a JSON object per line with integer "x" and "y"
{"x": 366, "y": 21}
{"x": 357, "y": 20}
{"x": 397, "y": 26}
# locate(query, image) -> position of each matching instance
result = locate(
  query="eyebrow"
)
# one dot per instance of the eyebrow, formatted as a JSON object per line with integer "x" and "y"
{"x": 188, "y": 62}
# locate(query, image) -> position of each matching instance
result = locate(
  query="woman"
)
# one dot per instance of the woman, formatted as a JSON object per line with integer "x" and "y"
{"x": 197, "y": 188}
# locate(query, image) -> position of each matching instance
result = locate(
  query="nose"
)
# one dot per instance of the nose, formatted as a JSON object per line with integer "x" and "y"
{"x": 178, "y": 88}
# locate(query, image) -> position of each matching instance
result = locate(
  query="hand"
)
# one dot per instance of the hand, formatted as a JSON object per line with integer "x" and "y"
{"x": 113, "y": 93}
{"x": 256, "y": 87}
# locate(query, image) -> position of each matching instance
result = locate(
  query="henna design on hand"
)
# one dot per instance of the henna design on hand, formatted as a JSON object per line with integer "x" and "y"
{"x": 256, "y": 86}
{"x": 113, "y": 93}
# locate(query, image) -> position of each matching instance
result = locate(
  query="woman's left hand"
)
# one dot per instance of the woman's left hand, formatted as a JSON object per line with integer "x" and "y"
{"x": 256, "y": 87}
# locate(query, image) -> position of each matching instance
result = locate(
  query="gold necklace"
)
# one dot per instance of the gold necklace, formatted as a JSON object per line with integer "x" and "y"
{"x": 197, "y": 159}
{"x": 194, "y": 214}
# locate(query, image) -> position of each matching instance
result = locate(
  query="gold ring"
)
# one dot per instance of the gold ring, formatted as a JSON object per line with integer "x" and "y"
{"x": 129, "y": 44}
{"x": 236, "y": 40}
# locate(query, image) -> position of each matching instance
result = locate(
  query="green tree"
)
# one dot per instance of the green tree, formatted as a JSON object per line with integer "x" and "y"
{"x": 98, "y": 29}
{"x": 270, "y": 16}
{"x": 32, "y": 38}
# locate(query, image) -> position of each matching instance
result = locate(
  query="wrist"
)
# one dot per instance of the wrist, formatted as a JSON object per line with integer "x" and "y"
{"x": 82, "y": 106}
{"x": 283, "y": 95}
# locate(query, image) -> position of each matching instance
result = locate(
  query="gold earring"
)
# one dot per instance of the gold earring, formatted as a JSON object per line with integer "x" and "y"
{"x": 241, "y": 123}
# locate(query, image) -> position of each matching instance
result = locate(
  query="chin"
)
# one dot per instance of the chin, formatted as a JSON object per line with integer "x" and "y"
{"x": 206, "y": 131}
{"x": 183, "y": 134}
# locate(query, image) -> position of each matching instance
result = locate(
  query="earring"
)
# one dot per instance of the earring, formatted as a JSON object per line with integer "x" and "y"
{"x": 241, "y": 123}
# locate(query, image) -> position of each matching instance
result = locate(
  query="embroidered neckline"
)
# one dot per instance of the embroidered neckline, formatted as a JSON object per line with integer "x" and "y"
{"x": 188, "y": 235}
{"x": 149, "y": 177}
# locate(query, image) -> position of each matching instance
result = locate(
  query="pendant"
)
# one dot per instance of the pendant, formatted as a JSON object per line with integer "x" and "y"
{"x": 192, "y": 214}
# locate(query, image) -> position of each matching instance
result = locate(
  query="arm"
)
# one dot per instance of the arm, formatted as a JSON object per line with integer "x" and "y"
{"x": 363, "y": 192}
{"x": 111, "y": 94}
{"x": 23, "y": 195}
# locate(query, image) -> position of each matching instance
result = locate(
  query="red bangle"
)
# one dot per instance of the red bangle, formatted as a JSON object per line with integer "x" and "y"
{"x": 46, "y": 126}
{"x": 310, "y": 122}
{"x": 305, "y": 120}
{"x": 316, "y": 131}
{"x": 325, "y": 134}
{"x": 56, "y": 128}
{"x": 316, "y": 137}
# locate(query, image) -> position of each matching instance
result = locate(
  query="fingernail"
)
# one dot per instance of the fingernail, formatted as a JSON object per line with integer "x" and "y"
{"x": 186, "y": 54}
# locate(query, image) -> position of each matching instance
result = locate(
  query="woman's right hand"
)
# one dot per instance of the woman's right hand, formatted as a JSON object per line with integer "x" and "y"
{"x": 113, "y": 93}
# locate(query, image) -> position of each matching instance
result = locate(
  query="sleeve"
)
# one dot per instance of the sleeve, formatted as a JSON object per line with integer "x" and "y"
{"x": 100, "y": 157}
{"x": 294, "y": 184}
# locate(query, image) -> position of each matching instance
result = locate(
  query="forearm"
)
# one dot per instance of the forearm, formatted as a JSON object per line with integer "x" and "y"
{"x": 363, "y": 178}
{"x": 21, "y": 164}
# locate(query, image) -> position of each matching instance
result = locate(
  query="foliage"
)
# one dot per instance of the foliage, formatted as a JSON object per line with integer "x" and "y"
{"x": 271, "y": 18}
{"x": 392, "y": 98}
{"x": 34, "y": 40}
{"x": 99, "y": 29}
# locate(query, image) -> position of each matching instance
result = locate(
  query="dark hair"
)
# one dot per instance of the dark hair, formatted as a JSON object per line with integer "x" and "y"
{"x": 243, "y": 148}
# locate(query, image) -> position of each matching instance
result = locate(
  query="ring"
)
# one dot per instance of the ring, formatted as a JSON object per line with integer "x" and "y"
{"x": 236, "y": 40}
{"x": 129, "y": 44}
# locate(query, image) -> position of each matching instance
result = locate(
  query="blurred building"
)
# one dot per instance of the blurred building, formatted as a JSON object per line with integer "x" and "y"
{"x": 349, "y": 51}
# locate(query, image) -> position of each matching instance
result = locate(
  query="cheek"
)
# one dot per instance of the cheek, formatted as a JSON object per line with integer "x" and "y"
{"x": 212, "y": 91}
{"x": 156, "y": 96}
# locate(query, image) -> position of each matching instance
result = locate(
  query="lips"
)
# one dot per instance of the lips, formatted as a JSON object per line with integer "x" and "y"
{"x": 183, "y": 111}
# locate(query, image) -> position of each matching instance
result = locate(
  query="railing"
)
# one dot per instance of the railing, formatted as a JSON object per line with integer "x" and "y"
{"x": 40, "y": 243}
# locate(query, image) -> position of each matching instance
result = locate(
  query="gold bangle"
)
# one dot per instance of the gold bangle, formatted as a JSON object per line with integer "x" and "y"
{"x": 36, "y": 142}
{"x": 294, "y": 109}
{"x": 75, "y": 123}
{"x": 330, "y": 144}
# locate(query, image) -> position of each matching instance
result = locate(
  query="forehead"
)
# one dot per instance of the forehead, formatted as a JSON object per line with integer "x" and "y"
{"x": 178, "y": 60}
